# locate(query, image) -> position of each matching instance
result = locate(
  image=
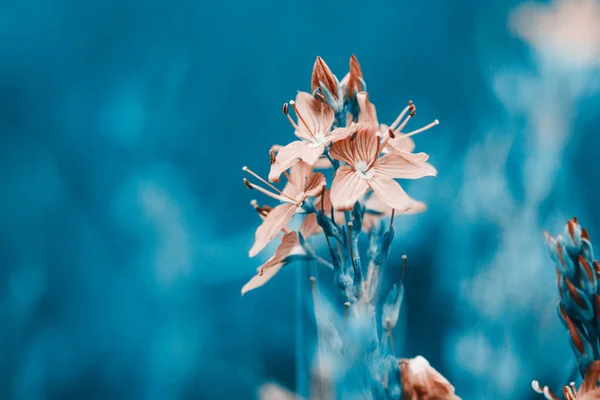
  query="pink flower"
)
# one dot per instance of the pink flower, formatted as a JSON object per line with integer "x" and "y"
{"x": 400, "y": 143}
{"x": 302, "y": 184}
{"x": 365, "y": 169}
{"x": 375, "y": 210}
{"x": 315, "y": 119}
{"x": 420, "y": 381}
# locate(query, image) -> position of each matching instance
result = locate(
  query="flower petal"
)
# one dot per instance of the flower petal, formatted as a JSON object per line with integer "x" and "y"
{"x": 274, "y": 222}
{"x": 390, "y": 192}
{"x": 314, "y": 185}
{"x": 375, "y": 205}
{"x": 290, "y": 244}
{"x": 318, "y": 116}
{"x": 322, "y": 163}
{"x": 363, "y": 147}
{"x": 286, "y": 157}
{"x": 395, "y": 166}
{"x": 355, "y": 78}
{"x": 261, "y": 278}
{"x": 341, "y": 133}
{"x": 347, "y": 188}
{"x": 312, "y": 153}
{"x": 367, "y": 114}
{"x": 400, "y": 142}
{"x": 298, "y": 174}
{"x": 309, "y": 226}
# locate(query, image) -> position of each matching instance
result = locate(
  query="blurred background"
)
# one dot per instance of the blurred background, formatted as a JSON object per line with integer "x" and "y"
{"x": 125, "y": 227}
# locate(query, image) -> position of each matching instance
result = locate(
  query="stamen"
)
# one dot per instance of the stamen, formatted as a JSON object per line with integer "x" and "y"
{"x": 286, "y": 112}
{"x": 350, "y": 245}
{"x": 403, "y": 269}
{"x": 248, "y": 170}
{"x": 431, "y": 125}
{"x": 573, "y": 388}
{"x": 293, "y": 104}
{"x": 320, "y": 96}
{"x": 272, "y": 157}
{"x": 389, "y": 329}
{"x": 347, "y": 305}
{"x": 264, "y": 191}
{"x": 402, "y": 114}
{"x": 391, "y": 133}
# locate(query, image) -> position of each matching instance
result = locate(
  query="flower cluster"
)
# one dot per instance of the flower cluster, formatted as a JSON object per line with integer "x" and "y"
{"x": 578, "y": 280}
{"x": 337, "y": 132}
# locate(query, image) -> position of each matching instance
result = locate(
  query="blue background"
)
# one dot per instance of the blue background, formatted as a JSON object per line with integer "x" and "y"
{"x": 124, "y": 225}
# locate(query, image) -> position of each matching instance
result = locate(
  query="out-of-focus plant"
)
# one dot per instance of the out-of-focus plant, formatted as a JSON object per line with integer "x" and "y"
{"x": 336, "y": 129}
{"x": 577, "y": 277}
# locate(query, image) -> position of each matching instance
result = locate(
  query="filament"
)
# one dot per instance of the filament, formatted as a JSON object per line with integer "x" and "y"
{"x": 293, "y": 104}
{"x": 260, "y": 189}
{"x": 389, "y": 329}
{"x": 402, "y": 114}
{"x": 431, "y": 125}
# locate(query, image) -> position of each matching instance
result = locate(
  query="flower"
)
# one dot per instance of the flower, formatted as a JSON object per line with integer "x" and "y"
{"x": 365, "y": 169}
{"x": 315, "y": 119}
{"x": 588, "y": 390}
{"x": 420, "y": 381}
{"x": 400, "y": 143}
{"x": 290, "y": 245}
{"x": 302, "y": 184}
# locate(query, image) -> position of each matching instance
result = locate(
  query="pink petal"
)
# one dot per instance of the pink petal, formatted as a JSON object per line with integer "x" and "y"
{"x": 309, "y": 226}
{"x": 375, "y": 204}
{"x": 366, "y": 144}
{"x": 341, "y": 133}
{"x": 415, "y": 157}
{"x": 323, "y": 163}
{"x": 287, "y": 157}
{"x": 400, "y": 142}
{"x": 318, "y": 116}
{"x": 274, "y": 222}
{"x": 395, "y": 166}
{"x": 367, "y": 114}
{"x": 312, "y": 153}
{"x": 261, "y": 278}
{"x": 314, "y": 185}
{"x": 299, "y": 174}
{"x": 347, "y": 188}
{"x": 288, "y": 244}
{"x": 363, "y": 147}
{"x": 390, "y": 192}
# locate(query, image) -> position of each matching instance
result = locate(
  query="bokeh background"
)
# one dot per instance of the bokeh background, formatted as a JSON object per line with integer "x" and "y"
{"x": 124, "y": 225}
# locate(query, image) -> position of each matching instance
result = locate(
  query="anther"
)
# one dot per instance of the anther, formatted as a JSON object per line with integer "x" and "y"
{"x": 320, "y": 96}
{"x": 248, "y": 184}
{"x": 391, "y": 133}
{"x": 272, "y": 157}
{"x": 285, "y": 109}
